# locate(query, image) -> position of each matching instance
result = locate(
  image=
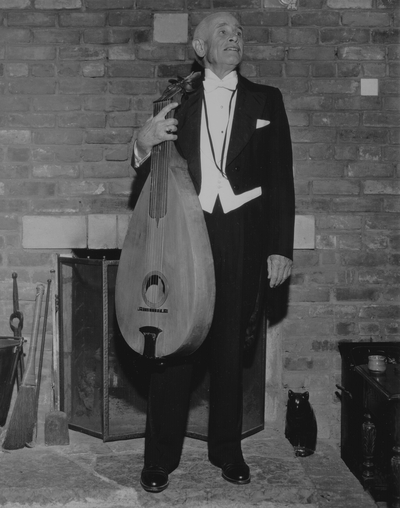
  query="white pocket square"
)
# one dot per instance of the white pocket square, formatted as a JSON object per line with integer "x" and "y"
{"x": 262, "y": 123}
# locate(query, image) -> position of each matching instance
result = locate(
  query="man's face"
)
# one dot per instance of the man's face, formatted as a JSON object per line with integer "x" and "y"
{"x": 223, "y": 44}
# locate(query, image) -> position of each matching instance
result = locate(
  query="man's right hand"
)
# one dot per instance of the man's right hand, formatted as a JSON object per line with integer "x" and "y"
{"x": 156, "y": 130}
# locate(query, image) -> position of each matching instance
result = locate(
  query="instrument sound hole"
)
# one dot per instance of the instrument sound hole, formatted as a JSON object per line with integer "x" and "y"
{"x": 154, "y": 289}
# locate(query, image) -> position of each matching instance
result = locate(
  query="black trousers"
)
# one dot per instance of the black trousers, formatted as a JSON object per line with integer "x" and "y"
{"x": 237, "y": 242}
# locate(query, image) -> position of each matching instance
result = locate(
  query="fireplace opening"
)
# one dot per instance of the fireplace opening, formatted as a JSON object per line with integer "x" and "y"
{"x": 103, "y": 382}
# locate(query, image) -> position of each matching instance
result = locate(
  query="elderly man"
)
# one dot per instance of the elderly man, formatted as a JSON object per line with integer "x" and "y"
{"x": 235, "y": 137}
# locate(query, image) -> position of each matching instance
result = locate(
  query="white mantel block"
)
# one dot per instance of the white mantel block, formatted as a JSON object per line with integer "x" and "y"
{"x": 122, "y": 229}
{"x": 102, "y": 231}
{"x": 54, "y": 232}
{"x": 304, "y": 232}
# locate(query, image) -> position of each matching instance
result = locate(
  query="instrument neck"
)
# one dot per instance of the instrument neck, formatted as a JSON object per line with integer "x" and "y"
{"x": 159, "y": 170}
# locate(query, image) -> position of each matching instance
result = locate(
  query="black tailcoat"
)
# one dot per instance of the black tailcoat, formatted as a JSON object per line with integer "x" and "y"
{"x": 257, "y": 157}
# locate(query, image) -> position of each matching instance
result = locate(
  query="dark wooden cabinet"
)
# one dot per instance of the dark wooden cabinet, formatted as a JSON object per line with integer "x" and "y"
{"x": 370, "y": 419}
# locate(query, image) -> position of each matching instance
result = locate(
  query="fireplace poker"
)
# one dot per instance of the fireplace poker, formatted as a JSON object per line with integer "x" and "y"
{"x": 16, "y": 314}
{"x": 17, "y": 330}
{"x": 22, "y": 420}
{"x": 17, "y": 368}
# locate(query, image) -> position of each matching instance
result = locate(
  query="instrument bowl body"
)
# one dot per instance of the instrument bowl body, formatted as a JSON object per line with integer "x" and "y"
{"x": 165, "y": 289}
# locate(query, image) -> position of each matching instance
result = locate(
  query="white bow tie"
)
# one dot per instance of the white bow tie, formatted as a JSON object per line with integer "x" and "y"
{"x": 212, "y": 84}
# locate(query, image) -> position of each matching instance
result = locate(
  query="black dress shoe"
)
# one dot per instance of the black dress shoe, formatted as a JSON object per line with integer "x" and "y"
{"x": 236, "y": 473}
{"x": 154, "y": 479}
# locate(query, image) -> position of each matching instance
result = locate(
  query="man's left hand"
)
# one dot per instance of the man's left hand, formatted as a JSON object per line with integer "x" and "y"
{"x": 279, "y": 269}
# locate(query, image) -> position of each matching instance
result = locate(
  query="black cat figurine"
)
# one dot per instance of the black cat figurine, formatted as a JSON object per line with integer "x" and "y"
{"x": 301, "y": 424}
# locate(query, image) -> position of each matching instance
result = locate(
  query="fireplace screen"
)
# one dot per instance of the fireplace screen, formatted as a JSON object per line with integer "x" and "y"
{"x": 104, "y": 383}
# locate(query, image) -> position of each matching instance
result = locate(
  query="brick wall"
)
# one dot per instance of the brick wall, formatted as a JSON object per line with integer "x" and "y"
{"x": 77, "y": 78}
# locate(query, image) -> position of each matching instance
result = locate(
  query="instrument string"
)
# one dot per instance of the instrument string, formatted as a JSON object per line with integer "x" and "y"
{"x": 158, "y": 202}
{"x": 150, "y": 248}
{"x": 166, "y": 148}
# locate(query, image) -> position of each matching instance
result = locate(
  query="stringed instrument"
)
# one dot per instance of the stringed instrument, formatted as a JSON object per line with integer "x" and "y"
{"x": 165, "y": 288}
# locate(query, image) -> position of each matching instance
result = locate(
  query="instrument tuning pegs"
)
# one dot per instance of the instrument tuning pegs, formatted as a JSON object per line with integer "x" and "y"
{"x": 191, "y": 82}
{"x": 186, "y": 85}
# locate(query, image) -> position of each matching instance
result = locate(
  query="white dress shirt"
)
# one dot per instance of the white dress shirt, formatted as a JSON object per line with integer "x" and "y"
{"x": 213, "y": 183}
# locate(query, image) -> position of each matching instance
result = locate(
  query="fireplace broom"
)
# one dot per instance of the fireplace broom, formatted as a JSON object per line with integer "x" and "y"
{"x": 23, "y": 418}
{"x": 32, "y": 443}
{"x": 55, "y": 422}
